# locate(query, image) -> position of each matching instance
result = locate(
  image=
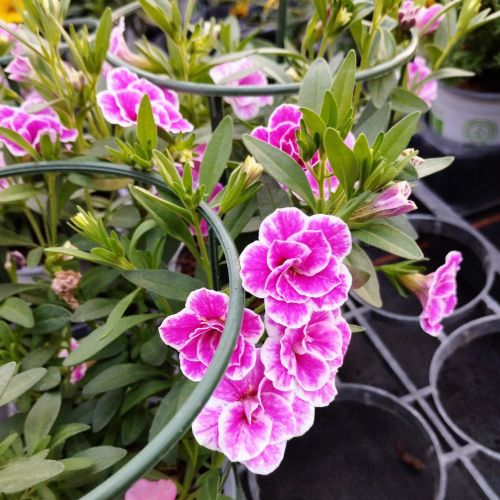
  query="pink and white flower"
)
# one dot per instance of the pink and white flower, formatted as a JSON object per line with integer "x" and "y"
{"x": 196, "y": 331}
{"x": 162, "y": 489}
{"x": 77, "y": 371}
{"x": 32, "y": 126}
{"x": 250, "y": 421}
{"x": 417, "y": 72}
{"x": 412, "y": 15}
{"x": 238, "y": 74}
{"x": 305, "y": 360}
{"x": 118, "y": 47}
{"x": 436, "y": 291}
{"x": 296, "y": 265}
{"x": 125, "y": 90}
{"x": 281, "y": 132}
{"x": 20, "y": 69}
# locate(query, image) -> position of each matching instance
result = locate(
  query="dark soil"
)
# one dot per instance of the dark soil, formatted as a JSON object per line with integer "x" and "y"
{"x": 468, "y": 386}
{"x": 355, "y": 451}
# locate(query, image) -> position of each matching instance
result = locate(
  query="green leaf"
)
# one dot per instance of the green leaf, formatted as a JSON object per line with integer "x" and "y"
{"x": 118, "y": 311}
{"x": 93, "y": 309}
{"x": 41, "y": 418}
{"x": 146, "y": 127}
{"x": 374, "y": 124}
{"x": 316, "y": 81}
{"x": 404, "y": 101}
{"x": 79, "y": 254}
{"x": 50, "y": 318}
{"x": 270, "y": 197}
{"x": 370, "y": 291}
{"x": 95, "y": 342}
{"x": 132, "y": 425}
{"x": 281, "y": 167}
{"x": 125, "y": 217}
{"x": 102, "y": 37}
{"x": 217, "y": 154}
{"x": 398, "y": 137}
{"x": 141, "y": 393}
{"x": 209, "y": 485}
{"x": 119, "y": 376}
{"x": 21, "y": 383}
{"x": 9, "y": 289}
{"x": 50, "y": 380}
{"x": 165, "y": 283}
{"x": 102, "y": 457}
{"x": 170, "y": 404}
{"x": 17, "y": 193}
{"x": 17, "y": 311}
{"x": 154, "y": 351}
{"x": 432, "y": 165}
{"x": 166, "y": 218}
{"x": 342, "y": 159}
{"x": 64, "y": 432}
{"x": 106, "y": 408}
{"x": 314, "y": 123}
{"x": 343, "y": 86}
{"x": 238, "y": 217}
{"x": 27, "y": 472}
{"x": 390, "y": 239}
{"x": 6, "y": 373}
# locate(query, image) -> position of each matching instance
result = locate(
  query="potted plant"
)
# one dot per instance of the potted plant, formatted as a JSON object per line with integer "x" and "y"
{"x": 221, "y": 361}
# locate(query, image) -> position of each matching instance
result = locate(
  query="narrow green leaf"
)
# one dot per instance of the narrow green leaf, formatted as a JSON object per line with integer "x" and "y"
{"x": 316, "y": 81}
{"x": 132, "y": 425}
{"x": 102, "y": 457}
{"x": 217, "y": 154}
{"x": 141, "y": 393}
{"x": 281, "y": 167}
{"x": 95, "y": 342}
{"x": 106, "y": 408}
{"x": 370, "y": 291}
{"x": 119, "y": 376}
{"x": 102, "y": 36}
{"x": 41, "y": 418}
{"x": 342, "y": 159}
{"x": 21, "y": 383}
{"x": 50, "y": 318}
{"x": 6, "y": 373}
{"x": 432, "y": 165}
{"x": 343, "y": 86}
{"x": 165, "y": 283}
{"x": 18, "y": 311}
{"x": 9, "y": 289}
{"x": 270, "y": 197}
{"x": 390, "y": 239}
{"x": 398, "y": 137}
{"x": 118, "y": 311}
{"x": 27, "y": 472}
{"x": 404, "y": 101}
{"x": 64, "y": 432}
{"x": 374, "y": 124}
{"x": 93, "y": 309}
{"x": 146, "y": 127}
{"x": 17, "y": 193}
{"x": 9, "y": 238}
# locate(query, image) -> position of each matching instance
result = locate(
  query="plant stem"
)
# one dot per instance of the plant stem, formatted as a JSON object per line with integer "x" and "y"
{"x": 54, "y": 219}
{"x": 36, "y": 228}
{"x": 205, "y": 260}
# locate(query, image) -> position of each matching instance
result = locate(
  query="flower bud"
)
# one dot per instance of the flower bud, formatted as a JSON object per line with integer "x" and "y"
{"x": 64, "y": 286}
{"x": 252, "y": 169}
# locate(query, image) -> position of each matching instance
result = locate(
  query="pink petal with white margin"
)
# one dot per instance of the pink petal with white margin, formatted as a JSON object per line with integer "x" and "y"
{"x": 321, "y": 397}
{"x": 268, "y": 461}
{"x": 235, "y": 390}
{"x": 281, "y": 413}
{"x": 120, "y": 79}
{"x": 270, "y": 354}
{"x": 252, "y": 326}
{"x": 292, "y": 314}
{"x": 208, "y": 304}
{"x": 175, "y": 329}
{"x": 338, "y": 296}
{"x": 325, "y": 336}
{"x": 273, "y": 329}
{"x": 281, "y": 224}
{"x": 205, "y": 426}
{"x": 129, "y": 101}
{"x": 254, "y": 268}
{"x": 193, "y": 370}
{"x": 304, "y": 415}
{"x": 320, "y": 251}
{"x": 336, "y": 232}
{"x": 110, "y": 109}
{"x": 244, "y": 362}
{"x": 312, "y": 371}
{"x": 285, "y": 113}
{"x": 247, "y": 112}
{"x": 280, "y": 251}
{"x": 147, "y": 88}
{"x": 260, "y": 133}
{"x": 171, "y": 97}
{"x": 318, "y": 285}
{"x": 240, "y": 439}
{"x": 206, "y": 346}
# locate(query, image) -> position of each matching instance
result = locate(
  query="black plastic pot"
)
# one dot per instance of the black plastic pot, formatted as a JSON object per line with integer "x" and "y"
{"x": 366, "y": 445}
{"x": 437, "y": 237}
{"x": 465, "y": 380}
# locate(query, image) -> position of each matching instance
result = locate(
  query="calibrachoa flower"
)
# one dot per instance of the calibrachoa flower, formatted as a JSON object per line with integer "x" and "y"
{"x": 418, "y": 71}
{"x": 281, "y": 132}
{"x": 64, "y": 285}
{"x": 118, "y": 46}
{"x": 77, "y": 371}
{"x": 436, "y": 291}
{"x": 250, "y": 421}
{"x": 162, "y": 489}
{"x": 305, "y": 360}
{"x": 32, "y": 126}
{"x": 296, "y": 265}
{"x": 20, "y": 69}
{"x": 229, "y": 74}
{"x": 125, "y": 90}
{"x": 196, "y": 331}
{"x": 391, "y": 202}
{"x": 412, "y": 15}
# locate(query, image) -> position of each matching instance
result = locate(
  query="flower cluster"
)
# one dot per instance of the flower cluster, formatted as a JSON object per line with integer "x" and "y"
{"x": 229, "y": 74}
{"x": 125, "y": 90}
{"x": 412, "y": 15}
{"x": 281, "y": 132}
{"x": 31, "y": 126}
{"x": 78, "y": 371}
